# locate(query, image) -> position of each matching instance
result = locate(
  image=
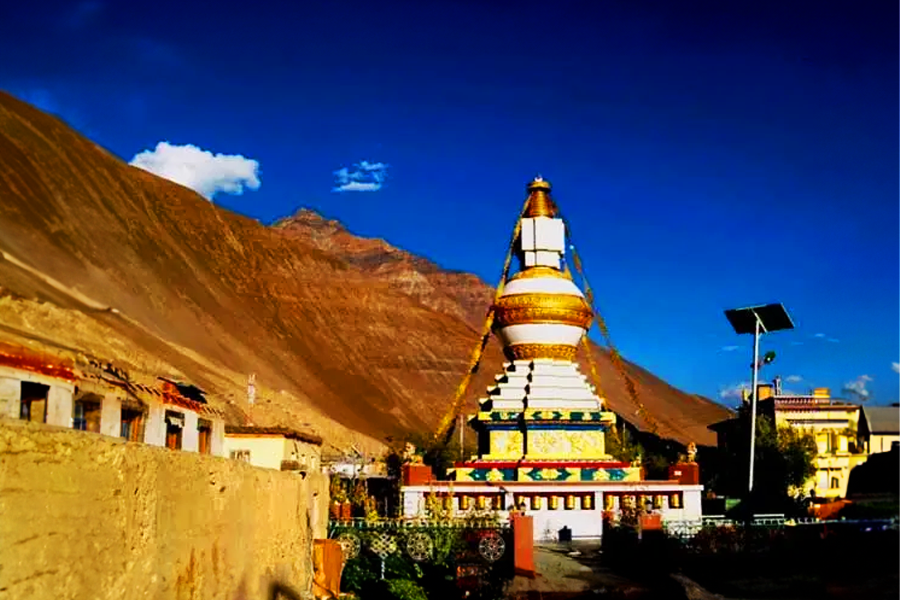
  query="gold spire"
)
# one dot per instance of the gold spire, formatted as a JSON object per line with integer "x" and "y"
{"x": 540, "y": 204}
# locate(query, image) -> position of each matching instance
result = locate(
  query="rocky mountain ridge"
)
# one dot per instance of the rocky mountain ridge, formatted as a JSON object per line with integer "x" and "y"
{"x": 348, "y": 336}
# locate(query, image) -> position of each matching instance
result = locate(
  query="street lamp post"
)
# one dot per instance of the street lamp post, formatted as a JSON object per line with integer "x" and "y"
{"x": 757, "y": 320}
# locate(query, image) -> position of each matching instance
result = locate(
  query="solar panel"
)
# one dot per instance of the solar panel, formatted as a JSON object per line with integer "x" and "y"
{"x": 772, "y": 317}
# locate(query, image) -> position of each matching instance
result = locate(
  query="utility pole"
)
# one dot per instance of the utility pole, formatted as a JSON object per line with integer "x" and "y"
{"x": 757, "y": 320}
{"x": 755, "y": 397}
{"x": 462, "y": 435}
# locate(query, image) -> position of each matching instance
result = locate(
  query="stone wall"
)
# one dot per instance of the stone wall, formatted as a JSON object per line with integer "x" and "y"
{"x": 86, "y": 516}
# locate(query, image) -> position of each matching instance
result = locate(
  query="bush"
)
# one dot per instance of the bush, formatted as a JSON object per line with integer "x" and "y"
{"x": 404, "y": 589}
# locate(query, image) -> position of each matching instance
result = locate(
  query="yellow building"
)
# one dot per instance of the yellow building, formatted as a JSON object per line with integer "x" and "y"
{"x": 274, "y": 448}
{"x": 832, "y": 422}
{"x": 879, "y": 428}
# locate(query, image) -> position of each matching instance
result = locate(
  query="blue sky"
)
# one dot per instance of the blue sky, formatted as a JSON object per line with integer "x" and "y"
{"x": 709, "y": 155}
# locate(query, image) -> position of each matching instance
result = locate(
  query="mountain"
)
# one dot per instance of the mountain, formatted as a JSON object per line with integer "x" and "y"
{"x": 679, "y": 416}
{"x": 348, "y": 336}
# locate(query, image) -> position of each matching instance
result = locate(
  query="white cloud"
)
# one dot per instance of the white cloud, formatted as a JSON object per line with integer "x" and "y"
{"x": 896, "y": 367}
{"x": 201, "y": 170}
{"x": 364, "y": 176}
{"x": 822, "y": 336}
{"x": 793, "y": 379}
{"x": 857, "y": 387}
{"x": 734, "y": 391}
{"x": 729, "y": 348}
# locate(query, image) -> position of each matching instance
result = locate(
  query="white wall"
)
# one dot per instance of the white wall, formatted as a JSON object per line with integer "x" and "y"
{"x": 59, "y": 396}
{"x": 60, "y": 405}
{"x": 155, "y": 430}
{"x": 190, "y": 437}
{"x": 583, "y": 523}
{"x": 10, "y": 395}
{"x": 217, "y": 444}
{"x": 111, "y": 415}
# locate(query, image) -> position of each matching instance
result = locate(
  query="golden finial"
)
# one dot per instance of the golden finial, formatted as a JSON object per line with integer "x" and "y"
{"x": 539, "y": 202}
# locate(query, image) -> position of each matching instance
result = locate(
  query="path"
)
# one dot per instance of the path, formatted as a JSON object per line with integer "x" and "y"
{"x": 573, "y": 571}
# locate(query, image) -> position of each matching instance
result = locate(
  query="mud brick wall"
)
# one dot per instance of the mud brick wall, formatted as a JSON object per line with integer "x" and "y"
{"x": 86, "y": 516}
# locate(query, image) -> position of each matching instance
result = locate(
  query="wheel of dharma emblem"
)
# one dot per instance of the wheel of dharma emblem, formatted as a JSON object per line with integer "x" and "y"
{"x": 419, "y": 546}
{"x": 349, "y": 544}
{"x": 383, "y": 545}
{"x": 491, "y": 546}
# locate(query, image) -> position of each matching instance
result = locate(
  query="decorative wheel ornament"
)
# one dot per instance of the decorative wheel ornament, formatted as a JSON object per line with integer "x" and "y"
{"x": 383, "y": 545}
{"x": 419, "y": 546}
{"x": 491, "y": 546}
{"x": 350, "y": 545}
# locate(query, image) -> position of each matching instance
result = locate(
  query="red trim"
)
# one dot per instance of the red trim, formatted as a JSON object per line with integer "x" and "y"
{"x": 39, "y": 365}
{"x": 437, "y": 484}
{"x": 585, "y": 464}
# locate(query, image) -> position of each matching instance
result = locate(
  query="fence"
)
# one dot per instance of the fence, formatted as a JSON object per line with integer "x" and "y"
{"x": 423, "y": 540}
{"x": 688, "y": 529}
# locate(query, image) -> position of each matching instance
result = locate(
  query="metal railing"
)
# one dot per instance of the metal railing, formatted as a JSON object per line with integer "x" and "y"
{"x": 688, "y": 528}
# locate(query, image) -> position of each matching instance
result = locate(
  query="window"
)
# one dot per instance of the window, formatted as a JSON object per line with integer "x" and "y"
{"x": 241, "y": 455}
{"x": 86, "y": 415}
{"x": 204, "y": 436}
{"x": 33, "y": 404}
{"x": 835, "y": 483}
{"x": 132, "y": 424}
{"x": 174, "y": 428}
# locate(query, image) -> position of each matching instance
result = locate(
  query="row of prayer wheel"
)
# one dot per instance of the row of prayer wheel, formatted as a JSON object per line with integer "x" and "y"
{"x": 630, "y": 501}
{"x": 571, "y": 501}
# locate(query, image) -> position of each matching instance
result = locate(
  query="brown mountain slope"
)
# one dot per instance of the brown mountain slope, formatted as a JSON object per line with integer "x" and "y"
{"x": 105, "y": 259}
{"x": 680, "y": 416}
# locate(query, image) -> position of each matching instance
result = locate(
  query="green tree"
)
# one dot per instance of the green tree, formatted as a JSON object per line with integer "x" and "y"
{"x": 621, "y": 445}
{"x": 784, "y": 458}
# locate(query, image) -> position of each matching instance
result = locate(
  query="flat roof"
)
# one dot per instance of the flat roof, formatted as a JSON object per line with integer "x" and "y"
{"x": 285, "y": 432}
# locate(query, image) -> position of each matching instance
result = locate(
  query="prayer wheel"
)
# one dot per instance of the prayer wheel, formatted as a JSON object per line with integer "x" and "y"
{"x": 497, "y": 502}
{"x": 570, "y": 502}
{"x": 609, "y": 502}
{"x": 448, "y": 502}
{"x": 480, "y": 502}
{"x": 465, "y": 502}
{"x": 675, "y": 500}
{"x": 536, "y": 503}
{"x": 554, "y": 502}
{"x": 587, "y": 503}
{"x": 658, "y": 501}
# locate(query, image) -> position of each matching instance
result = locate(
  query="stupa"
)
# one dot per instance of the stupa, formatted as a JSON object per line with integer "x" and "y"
{"x": 541, "y": 428}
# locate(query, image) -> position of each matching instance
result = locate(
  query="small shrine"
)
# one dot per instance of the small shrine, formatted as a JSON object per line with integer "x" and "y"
{"x": 541, "y": 427}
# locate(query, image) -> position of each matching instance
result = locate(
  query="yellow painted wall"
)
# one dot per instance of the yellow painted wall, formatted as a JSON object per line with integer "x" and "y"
{"x": 268, "y": 451}
{"x": 92, "y": 517}
{"x": 882, "y": 443}
{"x": 265, "y": 452}
{"x": 833, "y": 461}
{"x": 566, "y": 445}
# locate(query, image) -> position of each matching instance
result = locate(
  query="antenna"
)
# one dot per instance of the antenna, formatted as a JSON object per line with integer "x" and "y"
{"x": 251, "y": 396}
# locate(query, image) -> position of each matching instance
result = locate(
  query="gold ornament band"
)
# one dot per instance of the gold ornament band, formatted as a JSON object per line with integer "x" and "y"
{"x": 532, "y": 351}
{"x": 521, "y": 309}
{"x": 528, "y": 316}
{"x": 540, "y": 272}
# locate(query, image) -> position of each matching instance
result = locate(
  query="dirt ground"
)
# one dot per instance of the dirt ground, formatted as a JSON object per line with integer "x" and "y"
{"x": 574, "y": 571}
{"x": 577, "y": 571}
